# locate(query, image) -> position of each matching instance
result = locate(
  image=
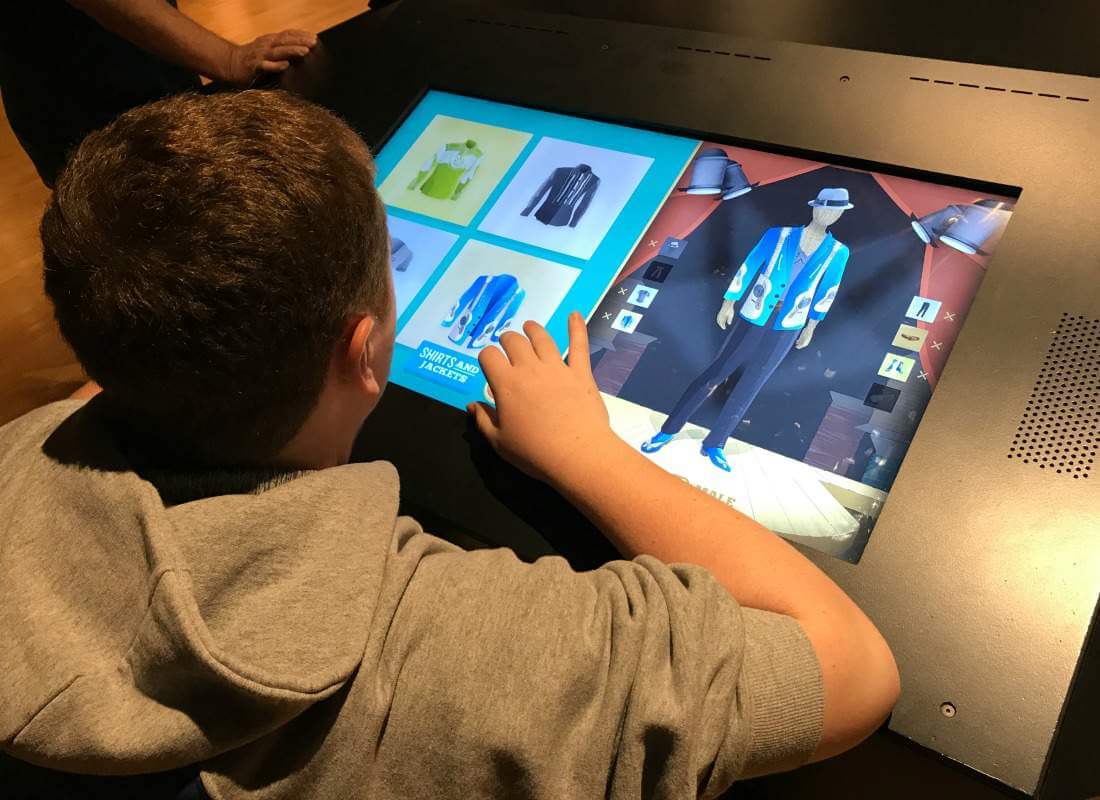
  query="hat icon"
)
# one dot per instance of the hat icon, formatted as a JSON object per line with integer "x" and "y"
{"x": 832, "y": 198}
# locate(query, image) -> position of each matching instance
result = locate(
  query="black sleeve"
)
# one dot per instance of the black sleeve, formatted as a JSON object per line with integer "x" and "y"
{"x": 542, "y": 190}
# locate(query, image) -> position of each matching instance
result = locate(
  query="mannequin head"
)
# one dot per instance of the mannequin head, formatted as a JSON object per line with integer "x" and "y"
{"x": 830, "y": 205}
{"x": 827, "y": 215}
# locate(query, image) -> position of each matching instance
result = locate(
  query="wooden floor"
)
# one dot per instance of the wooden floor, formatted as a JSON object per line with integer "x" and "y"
{"x": 35, "y": 364}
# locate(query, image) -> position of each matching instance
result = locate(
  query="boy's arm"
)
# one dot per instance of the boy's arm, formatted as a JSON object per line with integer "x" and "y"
{"x": 589, "y": 684}
{"x": 156, "y": 26}
{"x": 551, "y": 422}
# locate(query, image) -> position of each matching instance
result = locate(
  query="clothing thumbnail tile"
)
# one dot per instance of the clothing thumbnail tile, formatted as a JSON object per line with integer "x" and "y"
{"x": 416, "y": 251}
{"x": 486, "y": 291}
{"x": 566, "y": 196}
{"x": 452, "y": 168}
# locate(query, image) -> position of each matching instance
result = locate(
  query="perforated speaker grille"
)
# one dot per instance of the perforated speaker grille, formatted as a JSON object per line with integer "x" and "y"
{"x": 1060, "y": 430}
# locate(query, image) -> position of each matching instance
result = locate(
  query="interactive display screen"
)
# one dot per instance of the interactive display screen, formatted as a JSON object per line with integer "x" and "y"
{"x": 768, "y": 328}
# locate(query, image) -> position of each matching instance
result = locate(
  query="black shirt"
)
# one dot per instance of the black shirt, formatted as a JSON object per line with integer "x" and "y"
{"x": 62, "y": 76}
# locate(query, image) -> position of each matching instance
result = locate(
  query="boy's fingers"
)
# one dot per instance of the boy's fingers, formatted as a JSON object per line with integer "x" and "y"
{"x": 541, "y": 341}
{"x": 493, "y": 363}
{"x": 578, "y": 344}
{"x": 517, "y": 346}
{"x": 486, "y": 420}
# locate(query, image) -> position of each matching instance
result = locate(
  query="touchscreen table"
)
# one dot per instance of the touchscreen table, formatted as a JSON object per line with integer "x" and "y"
{"x": 768, "y": 328}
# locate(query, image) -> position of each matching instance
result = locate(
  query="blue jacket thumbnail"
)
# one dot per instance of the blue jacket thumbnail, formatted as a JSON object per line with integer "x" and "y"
{"x": 484, "y": 310}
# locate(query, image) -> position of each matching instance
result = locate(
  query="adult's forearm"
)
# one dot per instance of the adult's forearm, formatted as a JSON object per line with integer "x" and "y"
{"x": 156, "y": 26}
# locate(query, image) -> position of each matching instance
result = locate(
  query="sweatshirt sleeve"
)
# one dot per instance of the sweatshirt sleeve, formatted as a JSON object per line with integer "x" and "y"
{"x": 637, "y": 679}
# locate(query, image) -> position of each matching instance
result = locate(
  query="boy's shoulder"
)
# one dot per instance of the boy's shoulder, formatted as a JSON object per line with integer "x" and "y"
{"x": 44, "y": 417}
{"x": 24, "y": 436}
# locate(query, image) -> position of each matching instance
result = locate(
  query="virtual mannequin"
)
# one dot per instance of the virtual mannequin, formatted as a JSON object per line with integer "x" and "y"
{"x": 797, "y": 273}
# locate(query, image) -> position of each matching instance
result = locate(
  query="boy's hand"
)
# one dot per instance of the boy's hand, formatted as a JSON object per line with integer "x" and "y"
{"x": 549, "y": 414}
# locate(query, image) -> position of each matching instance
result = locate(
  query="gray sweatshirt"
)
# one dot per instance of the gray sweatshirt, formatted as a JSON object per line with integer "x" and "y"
{"x": 298, "y": 639}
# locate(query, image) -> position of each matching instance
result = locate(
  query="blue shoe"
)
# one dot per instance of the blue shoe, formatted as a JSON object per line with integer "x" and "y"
{"x": 658, "y": 441}
{"x": 717, "y": 457}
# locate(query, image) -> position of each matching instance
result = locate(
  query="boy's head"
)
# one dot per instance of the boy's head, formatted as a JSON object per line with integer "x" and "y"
{"x": 220, "y": 265}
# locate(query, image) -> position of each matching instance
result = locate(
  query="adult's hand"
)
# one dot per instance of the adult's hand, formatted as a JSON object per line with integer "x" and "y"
{"x": 548, "y": 413}
{"x": 161, "y": 29}
{"x": 269, "y": 53}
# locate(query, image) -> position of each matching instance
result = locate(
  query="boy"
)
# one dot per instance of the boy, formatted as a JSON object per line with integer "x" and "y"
{"x": 194, "y": 574}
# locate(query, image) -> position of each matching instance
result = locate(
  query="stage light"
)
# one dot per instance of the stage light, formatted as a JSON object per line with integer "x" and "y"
{"x": 931, "y": 226}
{"x": 978, "y": 223}
{"x": 734, "y": 182}
{"x": 963, "y": 228}
{"x": 707, "y": 171}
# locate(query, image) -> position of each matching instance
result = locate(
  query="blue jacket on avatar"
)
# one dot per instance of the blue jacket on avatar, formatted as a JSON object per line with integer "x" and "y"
{"x": 814, "y": 288}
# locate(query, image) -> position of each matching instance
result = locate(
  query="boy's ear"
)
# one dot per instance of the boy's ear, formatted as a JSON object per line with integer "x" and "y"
{"x": 360, "y": 353}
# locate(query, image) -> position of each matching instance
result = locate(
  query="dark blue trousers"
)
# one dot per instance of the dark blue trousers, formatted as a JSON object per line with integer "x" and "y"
{"x": 757, "y": 351}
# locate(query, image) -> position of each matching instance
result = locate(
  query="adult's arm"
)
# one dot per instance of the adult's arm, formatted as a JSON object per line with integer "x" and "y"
{"x": 551, "y": 422}
{"x": 160, "y": 28}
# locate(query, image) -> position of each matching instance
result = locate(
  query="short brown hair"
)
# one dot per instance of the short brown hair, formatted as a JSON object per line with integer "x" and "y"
{"x": 203, "y": 254}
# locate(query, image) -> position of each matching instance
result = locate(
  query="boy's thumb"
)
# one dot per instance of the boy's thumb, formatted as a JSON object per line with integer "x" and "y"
{"x": 485, "y": 418}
